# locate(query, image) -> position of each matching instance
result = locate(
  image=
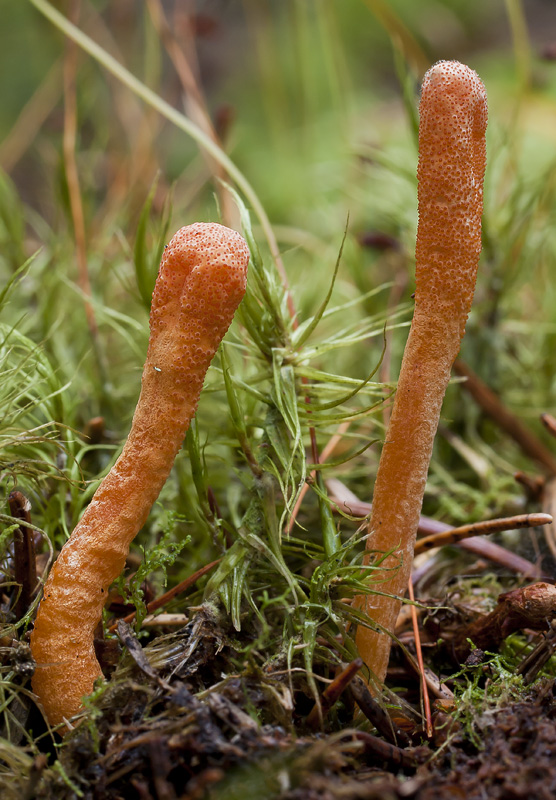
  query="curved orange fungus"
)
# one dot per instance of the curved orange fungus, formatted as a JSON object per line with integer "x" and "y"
{"x": 200, "y": 284}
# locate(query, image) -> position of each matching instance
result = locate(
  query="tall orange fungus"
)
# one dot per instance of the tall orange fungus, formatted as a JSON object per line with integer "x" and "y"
{"x": 200, "y": 284}
{"x": 452, "y": 156}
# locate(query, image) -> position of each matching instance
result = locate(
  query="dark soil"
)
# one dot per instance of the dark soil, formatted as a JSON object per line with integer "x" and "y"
{"x": 177, "y": 722}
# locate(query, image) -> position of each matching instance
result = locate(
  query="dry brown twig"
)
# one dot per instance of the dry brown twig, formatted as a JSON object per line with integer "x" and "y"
{"x": 493, "y": 407}
{"x": 483, "y": 528}
{"x": 332, "y": 693}
{"x": 348, "y": 502}
{"x": 25, "y": 566}
{"x": 165, "y": 598}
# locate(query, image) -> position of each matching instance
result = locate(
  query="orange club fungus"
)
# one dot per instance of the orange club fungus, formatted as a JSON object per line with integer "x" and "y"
{"x": 452, "y": 155}
{"x": 201, "y": 281}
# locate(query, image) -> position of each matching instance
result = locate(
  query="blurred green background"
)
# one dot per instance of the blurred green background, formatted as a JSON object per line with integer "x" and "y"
{"x": 315, "y": 102}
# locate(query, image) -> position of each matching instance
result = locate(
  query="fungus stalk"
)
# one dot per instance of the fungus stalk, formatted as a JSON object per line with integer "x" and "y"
{"x": 452, "y": 125}
{"x": 200, "y": 284}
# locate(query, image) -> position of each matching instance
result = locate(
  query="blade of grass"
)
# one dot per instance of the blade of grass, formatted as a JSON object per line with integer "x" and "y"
{"x": 318, "y": 316}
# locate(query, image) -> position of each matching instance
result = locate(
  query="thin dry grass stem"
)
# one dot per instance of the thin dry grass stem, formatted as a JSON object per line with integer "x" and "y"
{"x": 31, "y": 117}
{"x": 184, "y": 63}
{"x": 420, "y": 662}
{"x": 72, "y": 175}
{"x": 161, "y": 601}
{"x": 478, "y": 545}
{"x": 348, "y": 501}
{"x": 534, "y": 661}
{"x": 484, "y": 528}
{"x": 326, "y": 453}
{"x": 493, "y": 407}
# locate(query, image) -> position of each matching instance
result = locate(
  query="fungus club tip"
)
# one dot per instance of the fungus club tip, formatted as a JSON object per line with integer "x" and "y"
{"x": 453, "y": 81}
{"x": 451, "y": 72}
{"x": 452, "y": 156}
